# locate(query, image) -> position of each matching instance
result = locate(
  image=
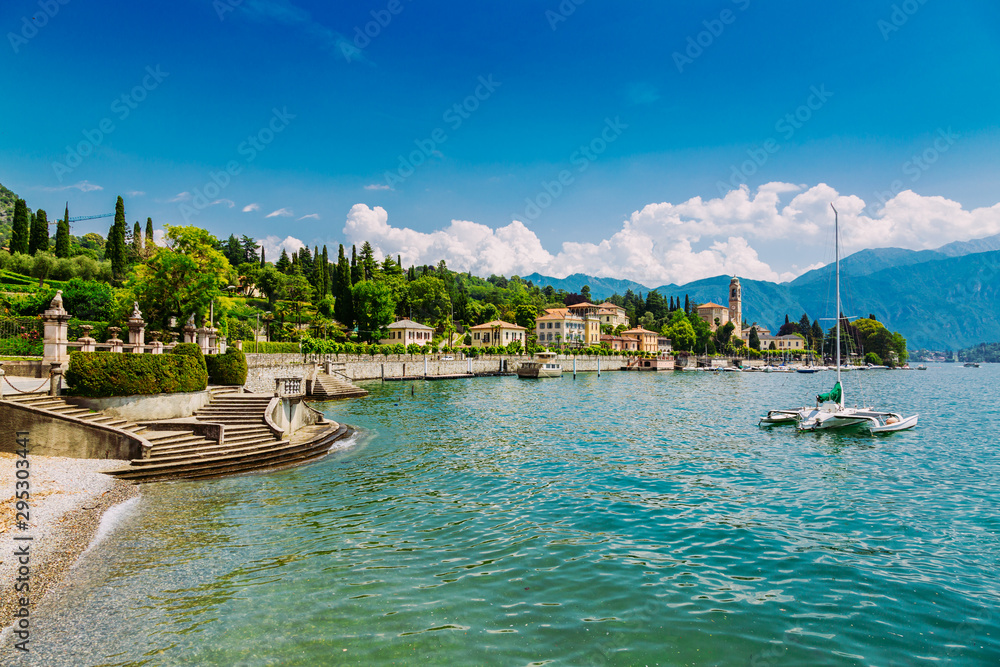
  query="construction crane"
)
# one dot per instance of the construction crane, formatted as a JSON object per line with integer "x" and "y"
{"x": 84, "y": 217}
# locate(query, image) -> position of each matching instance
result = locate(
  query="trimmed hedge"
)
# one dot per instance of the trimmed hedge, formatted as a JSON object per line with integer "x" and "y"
{"x": 103, "y": 374}
{"x": 191, "y": 350}
{"x": 228, "y": 369}
{"x": 251, "y": 347}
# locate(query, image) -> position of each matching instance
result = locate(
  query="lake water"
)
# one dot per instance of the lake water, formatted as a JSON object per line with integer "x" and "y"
{"x": 627, "y": 519}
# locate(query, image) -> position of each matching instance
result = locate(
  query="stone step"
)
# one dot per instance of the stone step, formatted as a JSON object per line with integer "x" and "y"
{"x": 282, "y": 456}
{"x": 202, "y": 453}
{"x": 172, "y": 437}
{"x": 69, "y": 410}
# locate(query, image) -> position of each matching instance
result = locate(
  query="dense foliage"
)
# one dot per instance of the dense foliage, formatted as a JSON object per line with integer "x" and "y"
{"x": 984, "y": 352}
{"x": 103, "y": 374}
{"x": 227, "y": 369}
{"x": 191, "y": 350}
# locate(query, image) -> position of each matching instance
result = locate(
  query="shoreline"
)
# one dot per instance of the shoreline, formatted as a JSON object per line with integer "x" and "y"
{"x": 69, "y": 499}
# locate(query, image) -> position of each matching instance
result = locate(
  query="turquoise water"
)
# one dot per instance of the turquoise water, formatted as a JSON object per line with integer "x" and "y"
{"x": 631, "y": 519}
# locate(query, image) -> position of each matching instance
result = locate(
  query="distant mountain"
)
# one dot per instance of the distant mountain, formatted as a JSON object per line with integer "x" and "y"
{"x": 600, "y": 288}
{"x": 7, "y": 199}
{"x": 959, "y": 248}
{"x": 935, "y": 300}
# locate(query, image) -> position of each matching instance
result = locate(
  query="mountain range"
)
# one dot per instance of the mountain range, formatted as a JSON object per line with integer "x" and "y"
{"x": 943, "y": 298}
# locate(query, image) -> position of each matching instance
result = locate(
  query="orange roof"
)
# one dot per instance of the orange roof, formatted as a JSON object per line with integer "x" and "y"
{"x": 497, "y": 323}
{"x": 585, "y": 304}
{"x": 608, "y": 304}
{"x": 640, "y": 330}
{"x": 712, "y": 305}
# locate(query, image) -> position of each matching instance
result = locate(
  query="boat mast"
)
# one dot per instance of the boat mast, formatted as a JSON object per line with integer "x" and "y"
{"x": 836, "y": 245}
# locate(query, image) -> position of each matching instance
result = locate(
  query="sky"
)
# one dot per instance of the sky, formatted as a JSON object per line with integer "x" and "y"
{"x": 658, "y": 142}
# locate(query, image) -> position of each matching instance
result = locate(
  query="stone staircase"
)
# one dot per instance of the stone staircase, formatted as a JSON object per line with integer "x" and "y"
{"x": 332, "y": 386}
{"x": 249, "y": 442}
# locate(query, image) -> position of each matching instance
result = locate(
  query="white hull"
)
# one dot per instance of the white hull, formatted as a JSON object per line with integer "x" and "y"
{"x": 532, "y": 371}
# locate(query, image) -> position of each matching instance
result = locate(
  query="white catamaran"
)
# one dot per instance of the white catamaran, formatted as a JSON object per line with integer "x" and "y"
{"x": 830, "y": 411}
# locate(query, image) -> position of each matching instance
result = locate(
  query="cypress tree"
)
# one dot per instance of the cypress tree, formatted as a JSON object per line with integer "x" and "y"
{"x": 325, "y": 272}
{"x": 136, "y": 242}
{"x": 343, "y": 307}
{"x": 355, "y": 269}
{"x": 262, "y": 260}
{"x": 150, "y": 245}
{"x": 687, "y": 304}
{"x": 39, "y": 233}
{"x": 62, "y": 235}
{"x": 115, "y": 249}
{"x": 20, "y": 230}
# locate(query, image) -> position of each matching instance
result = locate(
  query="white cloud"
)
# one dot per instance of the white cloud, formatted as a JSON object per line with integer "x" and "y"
{"x": 249, "y": 208}
{"x": 310, "y": 216}
{"x": 273, "y": 245}
{"x": 678, "y": 243}
{"x": 377, "y": 186}
{"x": 286, "y": 13}
{"x": 280, "y": 213}
{"x": 159, "y": 238}
{"x": 229, "y": 203}
{"x": 82, "y": 186}
{"x": 135, "y": 193}
{"x": 179, "y": 197}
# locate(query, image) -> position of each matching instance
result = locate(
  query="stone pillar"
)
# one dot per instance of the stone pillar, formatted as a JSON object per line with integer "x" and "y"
{"x": 87, "y": 344}
{"x": 223, "y": 344}
{"x": 190, "y": 330}
{"x": 116, "y": 343}
{"x": 202, "y": 339}
{"x": 239, "y": 345}
{"x": 55, "y": 379}
{"x": 56, "y": 333}
{"x": 2, "y": 383}
{"x": 136, "y": 331}
{"x": 156, "y": 345}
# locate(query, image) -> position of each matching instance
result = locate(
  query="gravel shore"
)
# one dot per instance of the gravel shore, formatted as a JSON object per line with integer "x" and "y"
{"x": 68, "y": 499}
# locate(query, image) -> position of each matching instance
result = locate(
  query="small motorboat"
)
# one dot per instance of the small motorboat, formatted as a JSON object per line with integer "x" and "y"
{"x": 889, "y": 422}
{"x": 780, "y": 417}
{"x": 808, "y": 369}
{"x": 542, "y": 366}
{"x": 921, "y": 367}
{"x": 971, "y": 364}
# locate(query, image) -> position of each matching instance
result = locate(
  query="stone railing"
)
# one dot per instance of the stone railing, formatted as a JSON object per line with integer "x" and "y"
{"x": 288, "y": 387}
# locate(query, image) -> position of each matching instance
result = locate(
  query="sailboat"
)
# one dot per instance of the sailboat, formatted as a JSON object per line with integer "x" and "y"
{"x": 830, "y": 412}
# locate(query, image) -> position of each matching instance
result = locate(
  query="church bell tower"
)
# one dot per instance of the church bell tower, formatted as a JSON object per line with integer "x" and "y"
{"x": 736, "y": 306}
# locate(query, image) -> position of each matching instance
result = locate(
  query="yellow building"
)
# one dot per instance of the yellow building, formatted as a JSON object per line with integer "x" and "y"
{"x": 612, "y": 315}
{"x": 407, "y": 331}
{"x": 588, "y": 312}
{"x": 646, "y": 339}
{"x": 497, "y": 334}
{"x": 558, "y": 326}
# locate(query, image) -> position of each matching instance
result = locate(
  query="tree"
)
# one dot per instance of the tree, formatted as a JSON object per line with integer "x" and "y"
{"x": 39, "y": 239}
{"x": 20, "y": 229}
{"x": 817, "y": 336}
{"x": 369, "y": 267}
{"x": 296, "y": 288}
{"x": 680, "y": 332}
{"x": 182, "y": 278}
{"x": 374, "y": 308}
{"x": 137, "y": 246}
{"x": 343, "y": 307}
{"x": 429, "y": 299}
{"x": 325, "y": 273}
{"x": 150, "y": 243}
{"x": 525, "y": 316}
{"x": 62, "y": 236}
{"x": 269, "y": 281}
{"x": 585, "y": 293}
{"x": 284, "y": 265}
{"x": 233, "y": 250}
{"x": 754, "y": 341}
{"x": 724, "y": 334}
{"x": 115, "y": 250}
{"x": 356, "y": 271}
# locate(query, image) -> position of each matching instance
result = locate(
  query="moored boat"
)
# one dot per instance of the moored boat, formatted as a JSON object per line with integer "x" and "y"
{"x": 541, "y": 366}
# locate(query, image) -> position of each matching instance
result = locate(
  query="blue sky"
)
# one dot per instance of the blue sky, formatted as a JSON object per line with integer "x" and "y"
{"x": 594, "y": 125}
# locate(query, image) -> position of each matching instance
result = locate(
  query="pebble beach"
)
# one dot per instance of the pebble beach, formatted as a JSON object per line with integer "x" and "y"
{"x": 68, "y": 498}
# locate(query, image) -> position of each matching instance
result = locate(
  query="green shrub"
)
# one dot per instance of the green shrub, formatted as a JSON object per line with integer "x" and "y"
{"x": 191, "y": 350}
{"x": 20, "y": 346}
{"x": 102, "y": 374}
{"x": 271, "y": 347}
{"x": 228, "y": 369}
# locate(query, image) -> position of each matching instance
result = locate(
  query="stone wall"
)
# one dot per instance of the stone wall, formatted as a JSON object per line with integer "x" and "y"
{"x": 263, "y": 369}
{"x": 146, "y": 407}
{"x": 58, "y": 435}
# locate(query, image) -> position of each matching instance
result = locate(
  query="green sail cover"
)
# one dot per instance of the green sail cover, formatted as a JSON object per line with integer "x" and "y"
{"x": 834, "y": 395}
